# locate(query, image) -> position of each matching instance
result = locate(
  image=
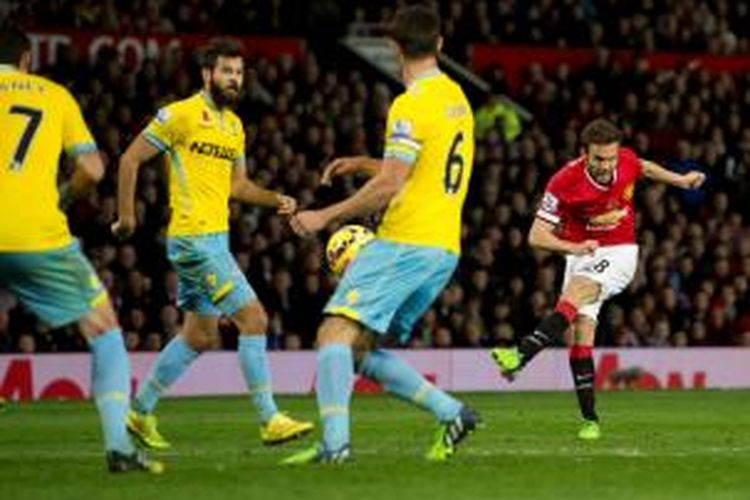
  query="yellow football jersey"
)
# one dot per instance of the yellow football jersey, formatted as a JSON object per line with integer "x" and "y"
{"x": 202, "y": 144}
{"x": 38, "y": 119}
{"x": 431, "y": 128}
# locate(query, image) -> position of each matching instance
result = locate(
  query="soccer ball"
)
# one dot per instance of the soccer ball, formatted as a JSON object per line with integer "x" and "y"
{"x": 344, "y": 245}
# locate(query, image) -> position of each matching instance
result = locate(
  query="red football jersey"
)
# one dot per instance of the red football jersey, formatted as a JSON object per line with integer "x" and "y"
{"x": 582, "y": 209}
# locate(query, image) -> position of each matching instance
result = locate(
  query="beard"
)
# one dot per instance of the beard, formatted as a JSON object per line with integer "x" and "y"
{"x": 603, "y": 177}
{"x": 224, "y": 97}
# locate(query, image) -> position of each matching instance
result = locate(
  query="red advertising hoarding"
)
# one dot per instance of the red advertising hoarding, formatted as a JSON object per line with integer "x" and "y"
{"x": 515, "y": 60}
{"x": 134, "y": 49}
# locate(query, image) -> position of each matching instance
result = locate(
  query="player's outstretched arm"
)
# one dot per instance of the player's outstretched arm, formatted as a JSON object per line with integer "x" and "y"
{"x": 690, "y": 180}
{"x": 373, "y": 196}
{"x": 542, "y": 236}
{"x": 246, "y": 191}
{"x": 350, "y": 165}
{"x": 139, "y": 152}
{"x": 89, "y": 170}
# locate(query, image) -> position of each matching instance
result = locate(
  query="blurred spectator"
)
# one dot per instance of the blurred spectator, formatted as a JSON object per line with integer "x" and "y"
{"x": 132, "y": 341}
{"x": 497, "y": 114}
{"x": 153, "y": 342}
{"x": 27, "y": 343}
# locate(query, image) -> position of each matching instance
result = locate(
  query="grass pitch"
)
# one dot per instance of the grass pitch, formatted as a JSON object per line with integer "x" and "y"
{"x": 656, "y": 445}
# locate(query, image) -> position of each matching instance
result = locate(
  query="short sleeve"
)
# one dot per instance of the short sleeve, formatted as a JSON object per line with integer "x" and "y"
{"x": 552, "y": 205}
{"x": 634, "y": 163}
{"x": 404, "y": 131}
{"x": 77, "y": 137}
{"x": 167, "y": 129}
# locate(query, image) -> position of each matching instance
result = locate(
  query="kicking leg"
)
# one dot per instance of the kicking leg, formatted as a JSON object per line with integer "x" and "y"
{"x": 579, "y": 292}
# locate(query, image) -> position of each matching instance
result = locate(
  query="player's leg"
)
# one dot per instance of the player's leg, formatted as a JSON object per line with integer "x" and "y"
{"x": 333, "y": 387}
{"x": 192, "y": 260}
{"x": 580, "y": 291}
{"x": 110, "y": 373}
{"x": 335, "y": 379}
{"x": 456, "y": 420}
{"x": 61, "y": 287}
{"x": 622, "y": 262}
{"x": 400, "y": 379}
{"x": 252, "y": 322}
{"x": 368, "y": 295}
{"x": 197, "y": 335}
{"x": 225, "y": 289}
{"x": 174, "y": 359}
{"x": 583, "y": 371}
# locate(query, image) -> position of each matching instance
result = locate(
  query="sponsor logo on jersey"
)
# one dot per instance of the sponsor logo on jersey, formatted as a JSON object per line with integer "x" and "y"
{"x": 213, "y": 150}
{"x": 608, "y": 220}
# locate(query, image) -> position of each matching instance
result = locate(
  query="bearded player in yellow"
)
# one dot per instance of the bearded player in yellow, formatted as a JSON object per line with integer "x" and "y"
{"x": 204, "y": 142}
{"x": 423, "y": 179}
{"x": 40, "y": 262}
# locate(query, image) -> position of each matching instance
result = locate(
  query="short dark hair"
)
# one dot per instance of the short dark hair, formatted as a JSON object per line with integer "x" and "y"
{"x": 416, "y": 30}
{"x": 13, "y": 44}
{"x": 600, "y": 132}
{"x": 220, "y": 47}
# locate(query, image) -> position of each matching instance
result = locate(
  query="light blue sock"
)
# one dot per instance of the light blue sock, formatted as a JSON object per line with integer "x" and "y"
{"x": 402, "y": 380}
{"x": 254, "y": 363}
{"x": 110, "y": 373}
{"x": 171, "y": 362}
{"x": 334, "y": 389}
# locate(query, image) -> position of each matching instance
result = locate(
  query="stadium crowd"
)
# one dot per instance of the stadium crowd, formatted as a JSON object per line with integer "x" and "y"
{"x": 692, "y": 286}
{"x": 715, "y": 26}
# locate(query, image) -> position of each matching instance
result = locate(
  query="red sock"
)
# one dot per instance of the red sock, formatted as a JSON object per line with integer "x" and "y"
{"x": 580, "y": 352}
{"x": 582, "y": 368}
{"x": 567, "y": 309}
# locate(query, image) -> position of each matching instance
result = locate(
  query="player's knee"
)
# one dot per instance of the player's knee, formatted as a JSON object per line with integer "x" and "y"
{"x": 99, "y": 320}
{"x": 252, "y": 319}
{"x": 364, "y": 343}
{"x": 337, "y": 330}
{"x": 200, "y": 341}
{"x": 581, "y": 291}
{"x": 201, "y": 333}
{"x": 199, "y": 337}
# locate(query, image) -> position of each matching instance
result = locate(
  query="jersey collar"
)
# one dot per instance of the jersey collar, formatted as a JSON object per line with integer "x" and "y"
{"x": 600, "y": 187}
{"x": 209, "y": 101}
{"x": 425, "y": 75}
{"x": 8, "y": 68}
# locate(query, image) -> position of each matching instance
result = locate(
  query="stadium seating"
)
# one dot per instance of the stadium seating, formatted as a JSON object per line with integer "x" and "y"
{"x": 692, "y": 287}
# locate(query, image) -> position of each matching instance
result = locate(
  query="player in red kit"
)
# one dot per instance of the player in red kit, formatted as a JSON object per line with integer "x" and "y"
{"x": 587, "y": 214}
